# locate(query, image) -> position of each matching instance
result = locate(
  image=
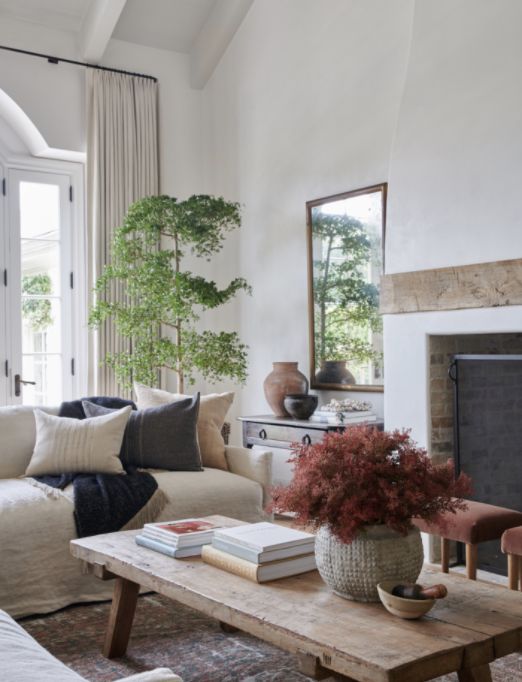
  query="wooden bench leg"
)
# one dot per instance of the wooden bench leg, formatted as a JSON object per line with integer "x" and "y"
{"x": 121, "y": 616}
{"x": 444, "y": 554}
{"x": 513, "y": 571}
{"x": 309, "y": 665}
{"x": 229, "y": 629}
{"x": 471, "y": 561}
{"x": 480, "y": 674}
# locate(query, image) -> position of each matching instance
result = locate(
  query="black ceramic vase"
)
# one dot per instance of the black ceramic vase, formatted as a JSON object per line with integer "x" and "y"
{"x": 300, "y": 405}
{"x": 334, "y": 372}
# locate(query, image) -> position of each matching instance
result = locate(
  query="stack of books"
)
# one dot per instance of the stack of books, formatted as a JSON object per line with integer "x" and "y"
{"x": 177, "y": 539}
{"x": 261, "y": 551}
{"x": 350, "y": 417}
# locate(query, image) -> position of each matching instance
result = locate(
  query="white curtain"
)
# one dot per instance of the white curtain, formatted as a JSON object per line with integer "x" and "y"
{"x": 122, "y": 167}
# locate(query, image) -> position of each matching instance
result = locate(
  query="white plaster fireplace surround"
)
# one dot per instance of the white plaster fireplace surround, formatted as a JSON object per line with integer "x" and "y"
{"x": 406, "y": 349}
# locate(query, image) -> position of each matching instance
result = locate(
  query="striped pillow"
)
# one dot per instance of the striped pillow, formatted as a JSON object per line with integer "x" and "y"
{"x": 66, "y": 445}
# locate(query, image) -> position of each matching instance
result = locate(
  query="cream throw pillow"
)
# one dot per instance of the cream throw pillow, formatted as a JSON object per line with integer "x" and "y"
{"x": 66, "y": 445}
{"x": 213, "y": 409}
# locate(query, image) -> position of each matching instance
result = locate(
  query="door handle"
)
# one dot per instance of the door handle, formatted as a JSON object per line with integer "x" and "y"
{"x": 18, "y": 380}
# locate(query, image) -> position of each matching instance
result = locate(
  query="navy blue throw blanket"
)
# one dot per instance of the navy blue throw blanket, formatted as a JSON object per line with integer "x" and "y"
{"x": 103, "y": 503}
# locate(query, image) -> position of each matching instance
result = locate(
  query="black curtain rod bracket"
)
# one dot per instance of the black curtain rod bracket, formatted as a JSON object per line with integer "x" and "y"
{"x": 57, "y": 60}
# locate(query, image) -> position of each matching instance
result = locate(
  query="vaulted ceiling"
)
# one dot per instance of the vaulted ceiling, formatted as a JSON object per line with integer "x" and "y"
{"x": 189, "y": 26}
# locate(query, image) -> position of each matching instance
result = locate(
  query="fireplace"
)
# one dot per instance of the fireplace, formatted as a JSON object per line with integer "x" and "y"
{"x": 475, "y": 417}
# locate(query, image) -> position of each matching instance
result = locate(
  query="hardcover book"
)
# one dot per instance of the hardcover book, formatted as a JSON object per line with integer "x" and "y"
{"x": 255, "y": 572}
{"x": 168, "y": 550}
{"x": 257, "y": 557}
{"x": 186, "y": 532}
{"x": 264, "y": 536}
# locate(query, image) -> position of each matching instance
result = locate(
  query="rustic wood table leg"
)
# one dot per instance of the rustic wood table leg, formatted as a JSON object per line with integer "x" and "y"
{"x": 480, "y": 674}
{"x": 121, "y": 616}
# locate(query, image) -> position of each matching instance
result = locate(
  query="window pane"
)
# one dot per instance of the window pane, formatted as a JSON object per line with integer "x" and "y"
{"x": 41, "y": 325}
{"x": 39, "y": 210}
{"x": 40, "y": 267}
{"x": 46, "y": 370}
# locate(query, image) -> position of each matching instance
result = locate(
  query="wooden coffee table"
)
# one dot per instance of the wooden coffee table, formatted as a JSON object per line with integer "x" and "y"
{"x": 476, "y": 624}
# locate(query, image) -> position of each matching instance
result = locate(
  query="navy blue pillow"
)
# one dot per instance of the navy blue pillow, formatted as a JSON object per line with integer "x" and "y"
{"x": 74, "y": 409}
{"x": 163, "y": 437}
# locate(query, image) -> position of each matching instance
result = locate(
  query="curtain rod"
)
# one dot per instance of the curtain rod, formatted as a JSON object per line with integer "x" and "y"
{"x": 57, "y": 60}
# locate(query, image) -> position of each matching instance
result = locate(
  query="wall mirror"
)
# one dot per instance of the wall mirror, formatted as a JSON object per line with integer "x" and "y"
{"x": 345, "y": 264}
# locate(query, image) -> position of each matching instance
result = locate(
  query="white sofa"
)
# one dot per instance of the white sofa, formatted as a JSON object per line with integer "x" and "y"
{"x": 38, "y": 573}
{"x": 24, "y": 660}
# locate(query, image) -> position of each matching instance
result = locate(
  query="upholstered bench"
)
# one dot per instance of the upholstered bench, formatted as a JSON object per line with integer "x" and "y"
{"x": 24, "y": 660}
{"x": 512, "y": 546}
{"x": 479, "y": 523}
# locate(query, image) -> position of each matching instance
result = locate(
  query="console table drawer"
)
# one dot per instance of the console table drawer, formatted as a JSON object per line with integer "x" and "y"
{"x": 280, "y": 435}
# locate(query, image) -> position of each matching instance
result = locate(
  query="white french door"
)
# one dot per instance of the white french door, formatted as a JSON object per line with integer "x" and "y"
{"x": 38, "y": 291}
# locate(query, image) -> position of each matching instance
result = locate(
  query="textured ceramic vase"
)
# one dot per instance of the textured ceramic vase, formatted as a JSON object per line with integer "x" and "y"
{"x": 378, "y": 553}
{"x": 284, "y": 378}
{"x": 334, "y": 372}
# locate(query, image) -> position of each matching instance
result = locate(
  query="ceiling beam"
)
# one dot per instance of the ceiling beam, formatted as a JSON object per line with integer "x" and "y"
{"x": 213, "y": 39}
{"x": 97, "y": 28}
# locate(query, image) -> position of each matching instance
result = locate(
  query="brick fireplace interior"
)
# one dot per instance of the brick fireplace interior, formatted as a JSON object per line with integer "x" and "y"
{"x": 491, "y": 460}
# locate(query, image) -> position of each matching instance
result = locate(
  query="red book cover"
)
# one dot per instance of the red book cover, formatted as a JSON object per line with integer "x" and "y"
{"x": 186, "y": 527}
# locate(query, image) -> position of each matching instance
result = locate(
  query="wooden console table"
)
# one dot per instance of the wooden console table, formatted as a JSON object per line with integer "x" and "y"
{"x": 279, "y": 432}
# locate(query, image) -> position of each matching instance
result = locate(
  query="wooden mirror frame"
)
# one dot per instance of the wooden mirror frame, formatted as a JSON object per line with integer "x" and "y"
{"x": 383, "y": 188}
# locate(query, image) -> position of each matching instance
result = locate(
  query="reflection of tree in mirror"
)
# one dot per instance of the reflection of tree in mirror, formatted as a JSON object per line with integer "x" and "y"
{"x": 37, "y": 312}
{"x": 346, "y": 303}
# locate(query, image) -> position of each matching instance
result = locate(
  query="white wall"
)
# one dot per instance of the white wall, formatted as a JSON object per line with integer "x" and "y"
{"x": 455, "y": 174}
{"x": 302, "y": 105}
{"x": 455, "y": 178}
{"x": 53, "y": 96}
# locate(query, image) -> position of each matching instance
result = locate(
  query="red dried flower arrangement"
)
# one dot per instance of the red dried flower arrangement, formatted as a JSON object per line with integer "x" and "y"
{"x": 363, "y": 477}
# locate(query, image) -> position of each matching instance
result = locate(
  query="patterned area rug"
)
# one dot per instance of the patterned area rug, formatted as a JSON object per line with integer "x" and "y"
{"x": 169, "y": 635}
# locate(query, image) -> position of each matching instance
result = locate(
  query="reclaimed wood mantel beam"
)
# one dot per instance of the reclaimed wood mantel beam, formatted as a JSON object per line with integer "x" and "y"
{"x": 482, "y": 285}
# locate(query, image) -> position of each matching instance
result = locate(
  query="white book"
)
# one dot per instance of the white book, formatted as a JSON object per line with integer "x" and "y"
{"x": 183, "y": 532}
{"x": 166, "y": 539}
{"x": 258, "y": 573}
{"x": 264, "y": 536}
{"x": 167, "y": 549}
{"x": 348, "y": 414}
{"x": 257, "y": 557}
{"x": 337, "y": 422}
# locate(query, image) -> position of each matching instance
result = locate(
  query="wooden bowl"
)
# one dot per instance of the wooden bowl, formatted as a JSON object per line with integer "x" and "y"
{"x": 404, "y": 608}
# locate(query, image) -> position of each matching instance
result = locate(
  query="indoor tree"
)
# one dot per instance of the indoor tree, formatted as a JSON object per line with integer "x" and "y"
{"x": 346, "y": 304}
{"x": 164, "y": 300}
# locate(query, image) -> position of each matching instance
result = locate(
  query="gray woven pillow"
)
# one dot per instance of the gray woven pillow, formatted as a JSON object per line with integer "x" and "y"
{"x": 162, "y": 437}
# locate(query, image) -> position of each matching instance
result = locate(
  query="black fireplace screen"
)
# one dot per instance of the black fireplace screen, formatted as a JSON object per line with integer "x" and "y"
{"x": 488, "y": 435}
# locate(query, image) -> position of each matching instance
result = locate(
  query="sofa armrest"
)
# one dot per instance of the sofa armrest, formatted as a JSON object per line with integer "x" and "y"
{"x": 253, "y": 463}
{"x": 157, "y": 675}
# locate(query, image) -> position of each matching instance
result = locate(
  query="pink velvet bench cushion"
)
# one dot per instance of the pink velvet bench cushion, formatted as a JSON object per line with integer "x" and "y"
{"x": 512, "y": 541}
{"x": 479, "y": 523}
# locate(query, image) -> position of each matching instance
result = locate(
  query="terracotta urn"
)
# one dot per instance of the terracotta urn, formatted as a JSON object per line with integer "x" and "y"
{"x": 284, "y": 378}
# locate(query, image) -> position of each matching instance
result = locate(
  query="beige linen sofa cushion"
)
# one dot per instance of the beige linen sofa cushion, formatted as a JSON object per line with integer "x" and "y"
{"x": 66, "y": 445}
{"x": 17, "y": 438}
{"x": 213, "y": 410}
